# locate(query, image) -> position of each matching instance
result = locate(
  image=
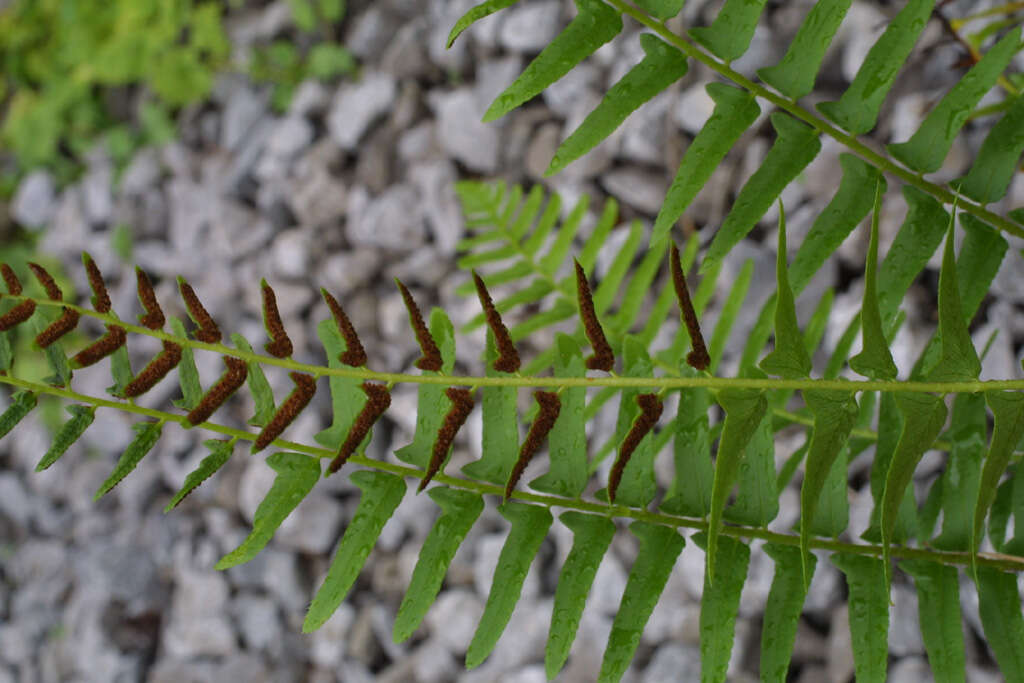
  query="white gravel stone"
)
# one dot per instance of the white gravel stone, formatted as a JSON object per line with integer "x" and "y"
{"x": 435, "y": 182}
{"x": 356, "y": 106}
{"x": 643, "y": 190}
{"x": 394, "y": 220}
{"x": 34, "y": 202}
{"x": 529, "y": 27}
{"x": 453, "y": 619}
{"x": 461, "y": 132}
{"x": 694, "y": 108}
{"x": 290, "y": 254}
{"x": 346, "y": 271}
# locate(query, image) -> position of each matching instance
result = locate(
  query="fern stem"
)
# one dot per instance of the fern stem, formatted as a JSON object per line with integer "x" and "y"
{"x": 994, "y": 560}
{"x": 653, "y": 383}
{"x": 940, "y": 192}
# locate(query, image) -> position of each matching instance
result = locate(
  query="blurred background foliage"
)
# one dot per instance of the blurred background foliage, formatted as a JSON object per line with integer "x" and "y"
{"x": 81, "y": 72}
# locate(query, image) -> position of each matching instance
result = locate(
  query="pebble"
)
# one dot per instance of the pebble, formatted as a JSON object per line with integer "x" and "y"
{"x": 356, "y": 106}
{"x": 33, "y": 203}
{"x": 531, "y": 26}
{"x": 462, "y": 134}
{"x": 290, "y": 254}
{"x": 453, "y": 619}
{"x": 393, "y": 220}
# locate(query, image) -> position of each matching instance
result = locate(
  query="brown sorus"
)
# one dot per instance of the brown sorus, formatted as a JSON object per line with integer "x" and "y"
{"x": 378, "y": 399}
{"x": 354, "y": 355}
{"x": 603, "y": 358}
{"x": 462, "y": 404}
{"x": 550, "y": 405}
{"x": 279, "y": 346}
{"x": 508, "y": 356}
{"x": 155, "y": 371}
{"x": 11, "y": 280}
{"x": 101, "y": 348}
{"x": 431, "y": 359}
{"x": 154, "y": 317}
{"x": 650, "y": 411}
{"x": 302, "y": 394}
{"x": 101, "y": 298}
{"x": 17, "y": 315}
{"x": 230, "y": 382}
{"x": 208, "y": 330}
{"x": 697, "y": 358}
{"x": 47, "y": 281}
{"x": 58, "y": 328}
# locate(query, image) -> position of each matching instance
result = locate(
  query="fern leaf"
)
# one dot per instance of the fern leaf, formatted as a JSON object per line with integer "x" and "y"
{"x": 923, "y": 418}
{"x": 832, "y": 515}
{"x": 857, "y": 109}
{"x": 500, "y": 442}
{"x": 981, "y": 255}
{"x": 556, "y": 255}
{"x": 959, "y": 360}
{"x": 727, "y": 316}
{"x": 690, "y": 493}
{"x": 867, "y": 579}
{"x": 661, "y": 66}
{"x": 6, "y": 354}
{"x": 381, "y": 494}
{"x": 999, "y": 605}
{"x": 459, "y": 510}
{"x": 875, "y": 360}
{"x": 594, "y": 25}
{"x": 591, "y": 537}
{"x": 720, "y": 602}
{"x": 347, "y": 399}
{"x": 782, "y": 610}
{"x": 928, "y": 147}
{"x": 735, "y": 111}
{"x": 296, "y": 475}
{"x": 146, "y": 436}
{"x": 431, "y": 403}
{"x": 22, "y": 403}
{"x": 795, "y": 146}
{"x": 662, "y": 9}
{"x": 757, "y": 502}
{"x": 120, "y": 369}
{"x": 744, "y": 409}
{"x": 850, "y": 204}
{"x": 1008, "y": 409}
{"x": 56, "y": 358}
{"x": 659, "y": 548}
{"x": 938, "y": 600}
{"x": 890, "y": 427}
{"x": 918, "y": 238}
{"x": 637, "y": 486}
{"x": 794, "y": 75}
{"x": 70, "y": 431}
{"x": 990, "y": 174}
{"x": 262, "y": 394}
{"x": 474, "y": 15}
{"x": 530, "y": 524}
{"x": 188, "y": 374}
{"x": 220, "y": 453}
{"x": 567, "y": 440}
{"x": 999, "y": 514}
{"x": 834, "y": 415}
{"x": 729, "y": 35}
{"x": 609, "y": 287}
{"x": 960, "y": 480}
{"x": 790, "y": 358}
